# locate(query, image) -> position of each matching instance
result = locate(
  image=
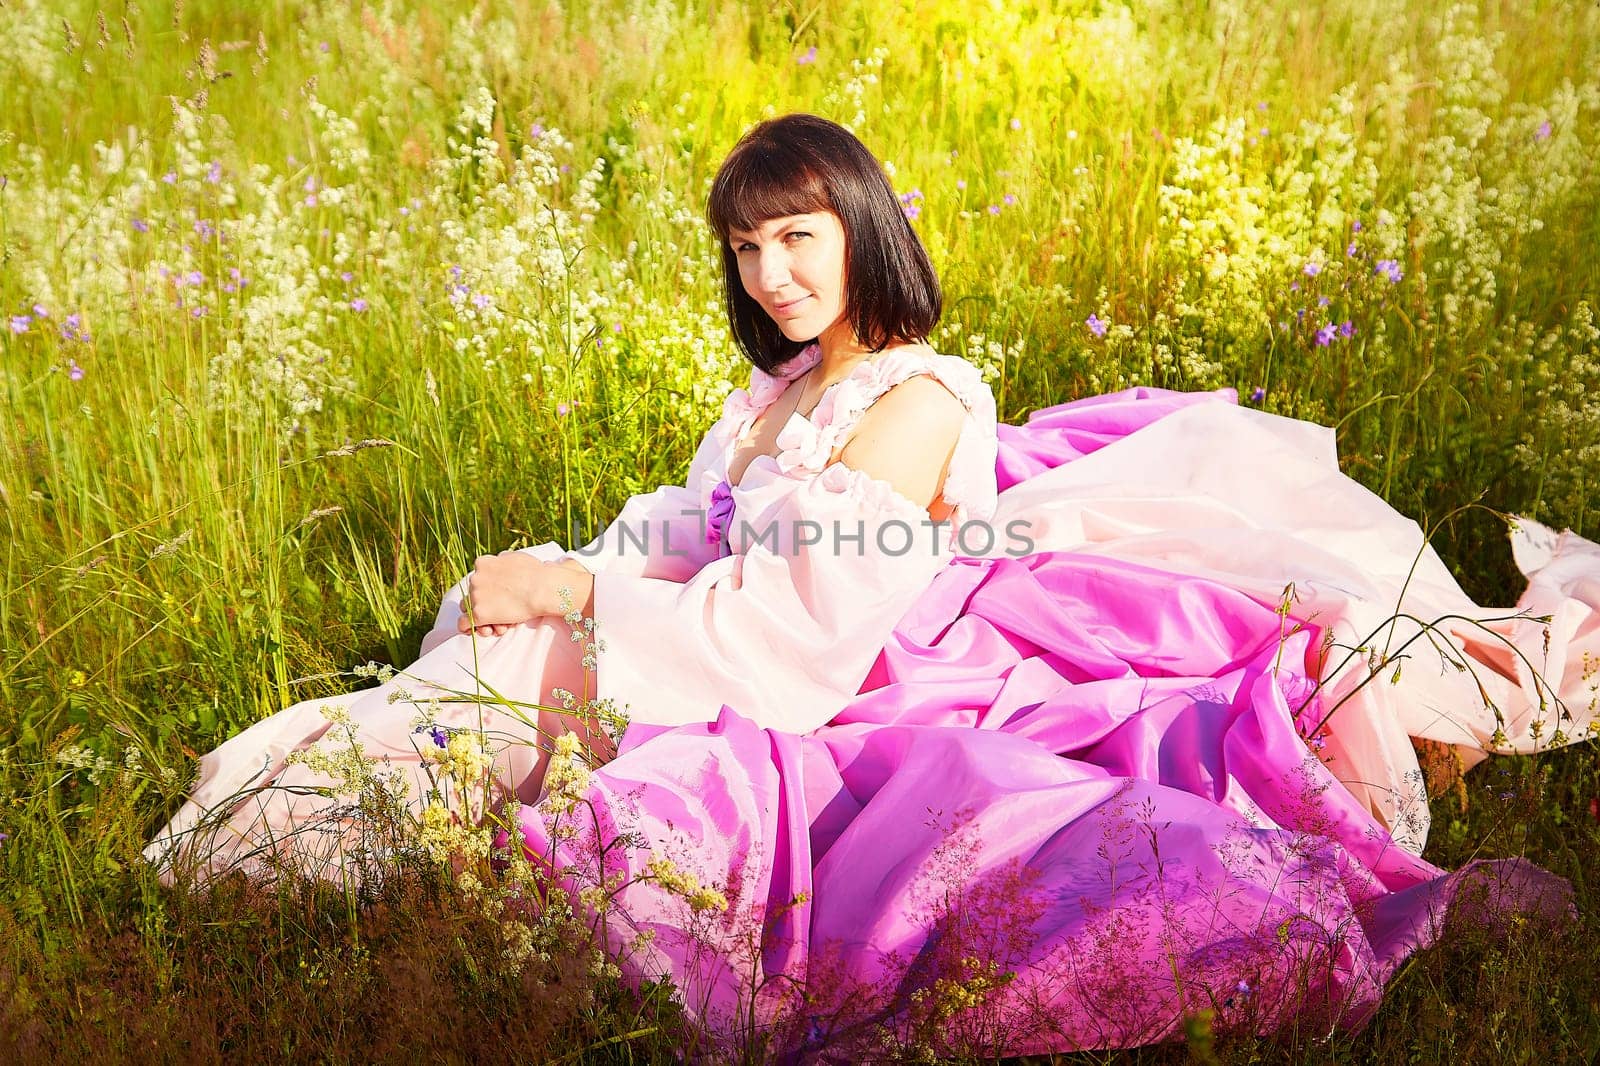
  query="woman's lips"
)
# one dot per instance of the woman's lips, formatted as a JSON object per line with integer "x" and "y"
{"x": 783, "y": 309}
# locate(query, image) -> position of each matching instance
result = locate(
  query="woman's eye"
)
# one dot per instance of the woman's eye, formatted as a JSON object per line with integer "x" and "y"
{"x": 744, "y": 246}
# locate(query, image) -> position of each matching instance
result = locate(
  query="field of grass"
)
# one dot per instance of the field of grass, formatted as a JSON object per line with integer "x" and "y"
{"x": 302, "y": 306}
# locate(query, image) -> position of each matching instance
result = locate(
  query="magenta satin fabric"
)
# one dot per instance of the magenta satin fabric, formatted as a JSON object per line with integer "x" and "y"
{"x": 1088, "y": 771}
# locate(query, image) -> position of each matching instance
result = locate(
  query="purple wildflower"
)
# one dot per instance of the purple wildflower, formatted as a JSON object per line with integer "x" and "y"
{"x": 440, "y": 735}
{"x": 203, "y": 227}
{"x": 74, "y": 371}
{"x": 1016, "y": 123}
{"x": 141, "y": 226}
{"x": 1312, "y": 268}
{"x": 562, "y": 408}
{"x": 994, "y": 209}
{"x": 1325, "y": 335}
{"x": 324, "y": 46}
{"x": 482, "y": 300}
{"x": 1009, "y": 199}
{"x": 358, "y": 304}
{"x": 810, "y": 56}
{"x": 1347, "y": 329}
{"x": 1322, "y": 301}
{"x": 537, "y": 131}
{"x": 1543, "y": 132}
{"x": 199, "y": 312}
{"x": 345, "y": 276}
{"x": 1389, "y": 268}
{"x": 194, "y": 277}
{"x": 19, "y": 323}
{"x": 912, "y": 211}
{"x": 1258, "y": 394}
{"x": 1097, "y": 325}
{"x": 1356, "y": 227}
{"x": 1243, "y": 987}
{"x": 40, "y": 312}
{"x": 961, "y": 183}
{"x": 214, "y": 173}
{"x": 1350, "y": 249}
{"x": 311, "y": 199}
{"x": 170, "y": 177}
{"x": 616, "y": 327}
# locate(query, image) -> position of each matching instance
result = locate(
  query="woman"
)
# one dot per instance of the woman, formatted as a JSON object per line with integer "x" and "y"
{"x": 1064, "y": 729}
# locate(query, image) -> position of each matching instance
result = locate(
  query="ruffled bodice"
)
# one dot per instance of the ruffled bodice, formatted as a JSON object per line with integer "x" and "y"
{"x": 808, "y": 443}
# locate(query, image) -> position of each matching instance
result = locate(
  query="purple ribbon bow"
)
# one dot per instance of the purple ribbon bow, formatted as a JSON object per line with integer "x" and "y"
{"x": 719, "y": 512}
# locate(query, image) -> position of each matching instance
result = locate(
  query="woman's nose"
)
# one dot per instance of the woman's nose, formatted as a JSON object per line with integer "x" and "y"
{"x": 773, "y": 272}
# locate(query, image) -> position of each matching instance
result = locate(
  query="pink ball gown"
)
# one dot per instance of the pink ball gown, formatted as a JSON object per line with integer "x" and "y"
{"x": 1142, "y": 747}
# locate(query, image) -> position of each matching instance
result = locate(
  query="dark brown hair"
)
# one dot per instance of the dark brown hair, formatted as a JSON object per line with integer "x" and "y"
{"x": 800, "y": 164}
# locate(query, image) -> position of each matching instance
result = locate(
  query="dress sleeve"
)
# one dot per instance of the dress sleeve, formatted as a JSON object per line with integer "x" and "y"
{"x": 783, "y": 632}
{"x": 659, "y": 534}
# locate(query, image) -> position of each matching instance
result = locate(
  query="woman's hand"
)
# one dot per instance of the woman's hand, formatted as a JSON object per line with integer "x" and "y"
{"x": 513, "y": 587}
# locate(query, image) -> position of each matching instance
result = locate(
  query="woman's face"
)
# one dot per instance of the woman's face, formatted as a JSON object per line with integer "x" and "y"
{"x": 794, "y": 267}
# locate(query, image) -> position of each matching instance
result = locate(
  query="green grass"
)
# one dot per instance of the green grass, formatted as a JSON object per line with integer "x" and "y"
{"x": 1171, "y": 169}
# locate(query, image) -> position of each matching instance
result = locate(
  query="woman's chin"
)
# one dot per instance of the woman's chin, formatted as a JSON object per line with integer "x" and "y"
{"x": 797, "y": 333}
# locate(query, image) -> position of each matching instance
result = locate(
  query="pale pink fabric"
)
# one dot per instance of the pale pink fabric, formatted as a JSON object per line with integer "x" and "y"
{"x": 1119, "y": 764}
{"x": 782, "y": 631}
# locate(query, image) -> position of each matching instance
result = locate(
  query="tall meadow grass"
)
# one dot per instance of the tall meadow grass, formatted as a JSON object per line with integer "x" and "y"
{"x": 305, "y": 305}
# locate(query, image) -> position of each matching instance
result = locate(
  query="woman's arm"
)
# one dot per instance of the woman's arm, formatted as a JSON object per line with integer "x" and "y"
{"x": 512, "y": 587}
{"x": 907, "y": 438}
{"x": 785, "y": 631}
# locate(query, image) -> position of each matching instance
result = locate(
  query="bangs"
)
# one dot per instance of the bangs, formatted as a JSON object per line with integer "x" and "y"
{"x": 760, "y": 183}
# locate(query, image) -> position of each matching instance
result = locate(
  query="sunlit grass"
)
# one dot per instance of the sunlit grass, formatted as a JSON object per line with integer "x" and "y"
{"x": 538, "y": 347}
